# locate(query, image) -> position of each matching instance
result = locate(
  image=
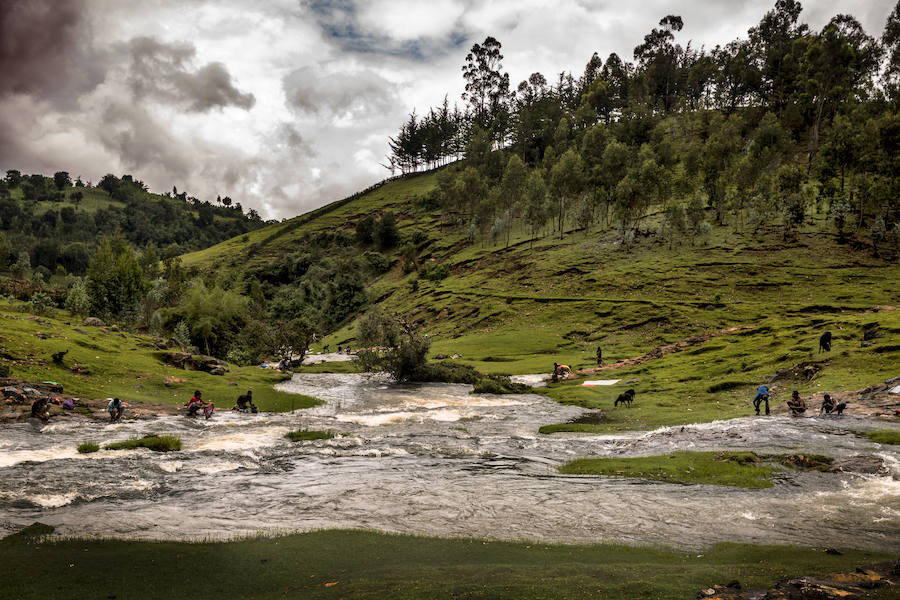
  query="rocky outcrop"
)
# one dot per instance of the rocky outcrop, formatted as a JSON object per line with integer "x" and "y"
{"x": 195, "y": 362}
{"x": 833, "y": 586}
{"x": 93, "y": 322}
{"x": 869, "y": 464}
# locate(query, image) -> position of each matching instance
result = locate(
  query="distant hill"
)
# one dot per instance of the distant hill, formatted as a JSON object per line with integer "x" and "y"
{"x": 58, "y": 222}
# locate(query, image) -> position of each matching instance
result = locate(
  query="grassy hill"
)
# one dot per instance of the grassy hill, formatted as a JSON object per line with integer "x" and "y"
{"x": 113, "y": 363}
{"x": 758, "y": 304}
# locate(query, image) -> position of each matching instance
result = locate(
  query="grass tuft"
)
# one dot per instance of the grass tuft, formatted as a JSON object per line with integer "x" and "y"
{"x": 157, "y": 443}
{"x": 88, "y": 447}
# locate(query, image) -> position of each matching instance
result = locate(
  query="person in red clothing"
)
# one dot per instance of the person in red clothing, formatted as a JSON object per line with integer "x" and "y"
{"x": 195, "y": 404}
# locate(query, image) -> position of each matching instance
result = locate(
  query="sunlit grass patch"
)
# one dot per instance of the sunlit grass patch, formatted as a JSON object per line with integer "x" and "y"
{"x": 737, "y": 469}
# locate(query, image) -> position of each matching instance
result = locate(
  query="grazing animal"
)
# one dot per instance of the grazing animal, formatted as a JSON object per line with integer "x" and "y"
{"x": 626, "y": 397}
{"x": 825, "y": 342}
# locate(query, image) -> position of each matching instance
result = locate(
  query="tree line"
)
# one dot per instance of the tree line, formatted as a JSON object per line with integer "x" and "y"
{"x": 46, "y": 221}
{"x": 759, "y": 131}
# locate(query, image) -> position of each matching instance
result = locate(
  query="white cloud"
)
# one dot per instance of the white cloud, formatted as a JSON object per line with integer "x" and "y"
{"x": 407, "y": 20}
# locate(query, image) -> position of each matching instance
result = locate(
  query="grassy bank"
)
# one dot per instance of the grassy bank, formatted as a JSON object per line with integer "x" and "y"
{"x": 354, "y": 564}
{"x": 884, "y": 436}
{"x": 124, "y": 365}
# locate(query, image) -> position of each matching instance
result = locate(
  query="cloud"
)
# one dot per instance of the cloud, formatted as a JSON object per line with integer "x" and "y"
{"x": 162, "y": 71}
{"x": 345, "y": 96}
{"x": 45, "y": 50}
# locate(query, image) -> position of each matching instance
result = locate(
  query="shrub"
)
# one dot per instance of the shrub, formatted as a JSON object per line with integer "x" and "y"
{"x": 434, "y": 271}
{"x": 41, "y": 303}
{"x": 499, "y": 384}
{"x": 88, "y": 447}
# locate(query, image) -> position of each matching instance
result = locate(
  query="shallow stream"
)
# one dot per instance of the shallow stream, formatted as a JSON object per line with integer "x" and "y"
{"x": 434, "y": 459}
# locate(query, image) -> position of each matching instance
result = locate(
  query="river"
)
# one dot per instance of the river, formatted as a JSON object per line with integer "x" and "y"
{"x": 434, "y": 459}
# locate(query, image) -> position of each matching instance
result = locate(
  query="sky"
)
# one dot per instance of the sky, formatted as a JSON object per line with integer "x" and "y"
{"x": 287, "y": 105}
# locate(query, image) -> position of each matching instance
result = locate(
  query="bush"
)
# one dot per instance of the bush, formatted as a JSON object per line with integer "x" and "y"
{"x": 88, "y": 447}
{"x": 378, "y": 262}
{"x": 500, "y": 384}
{"x": 157, "y": 443}
{"x": 41, "y": 303}
{"x": 303, "y": 435}
{"x": 434, "y": 271}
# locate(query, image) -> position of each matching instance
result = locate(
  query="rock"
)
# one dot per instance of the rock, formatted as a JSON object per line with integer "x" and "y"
{"x": 4, "y": 370}
{"x": 14, "y": 395}
{"x": 81, "y": 331}
{"x": 93, "y": 322}
{"x": 869, "y": 464}
{"x": 199, "y": 362}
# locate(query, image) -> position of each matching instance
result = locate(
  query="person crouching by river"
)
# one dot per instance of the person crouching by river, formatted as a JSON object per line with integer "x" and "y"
{"x": 796, "y": 404}
{"x": 115, "y": 408}
{"x": 195, "y": 404}
{"x": 762, "y": 395}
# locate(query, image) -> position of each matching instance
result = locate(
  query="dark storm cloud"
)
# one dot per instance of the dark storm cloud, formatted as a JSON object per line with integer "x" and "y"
{"x": 163, "y": 71}
{"x": 358, "y": 95}
{"x": 45, "y": 50}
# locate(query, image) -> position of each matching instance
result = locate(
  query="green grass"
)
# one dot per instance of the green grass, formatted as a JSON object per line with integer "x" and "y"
{"x": 125, "y": 365}
{"x": 347, "y": 366}
{"x": 885, "y": 436}
{"x": 355, "y": 564}
{"x": 737, "y": 469}
{"x": 157, "y": 443}
{"x": 303, "y": 435}
{"x": 88, "y": 447}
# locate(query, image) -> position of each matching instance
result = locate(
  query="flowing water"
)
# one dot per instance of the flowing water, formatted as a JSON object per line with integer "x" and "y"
{"x": 434, "y": 459}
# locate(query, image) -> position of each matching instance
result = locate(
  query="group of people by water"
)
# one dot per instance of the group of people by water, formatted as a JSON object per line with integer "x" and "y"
{"x": 194, "y": 406}
{"x": 797, "y": 405}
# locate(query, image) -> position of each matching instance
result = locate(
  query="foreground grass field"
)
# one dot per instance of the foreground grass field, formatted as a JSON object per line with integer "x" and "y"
{"x": 124, "y": 365}
{"x": 354, "y": 564}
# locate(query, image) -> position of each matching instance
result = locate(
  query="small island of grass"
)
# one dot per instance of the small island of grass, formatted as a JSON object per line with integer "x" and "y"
{"x": 305, "y": 435}
{"x": 88, "y": 447}
{"x": 738, "y": 469}
{"x": 157, "y": 443}
{"x": 884, "y": 436}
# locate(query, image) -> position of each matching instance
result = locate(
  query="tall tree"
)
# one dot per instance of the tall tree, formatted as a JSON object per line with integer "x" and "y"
{"x": 487, "y": 87}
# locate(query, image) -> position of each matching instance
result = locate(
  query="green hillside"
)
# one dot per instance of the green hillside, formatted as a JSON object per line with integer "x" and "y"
{"x": 519, "y": 308}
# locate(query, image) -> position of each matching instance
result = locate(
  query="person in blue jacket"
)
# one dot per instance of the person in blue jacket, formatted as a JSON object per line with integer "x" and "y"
{"x": 762, "y": 395}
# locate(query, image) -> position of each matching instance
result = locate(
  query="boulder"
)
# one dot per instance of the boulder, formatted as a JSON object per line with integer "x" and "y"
{"x": 93, "y": 322}
{"x": 869, "y": 464}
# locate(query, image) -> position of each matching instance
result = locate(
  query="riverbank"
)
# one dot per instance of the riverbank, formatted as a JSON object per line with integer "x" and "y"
{"x": 356, "y": 564}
